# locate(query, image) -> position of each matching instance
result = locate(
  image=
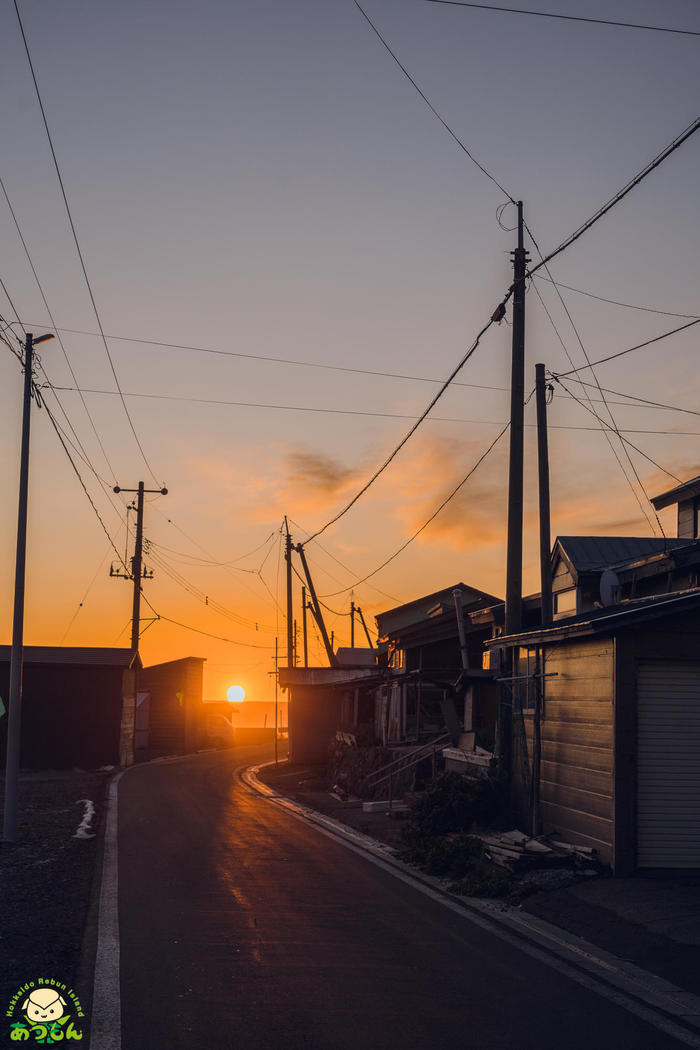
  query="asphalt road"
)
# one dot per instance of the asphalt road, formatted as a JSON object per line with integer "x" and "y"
{"x": 244, "y": 928}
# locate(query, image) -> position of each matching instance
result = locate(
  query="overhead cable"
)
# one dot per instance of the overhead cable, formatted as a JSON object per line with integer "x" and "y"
{"x": 616, "y": 302}
{"x": 497, "y": 315}
{"x": 639, "y": 346}
{"x": 77, "y": 243}
{"x": 659, "y": 159}
{"x": 53, "y": 324}
{"x": 567, "y": 18}
{"x": 425, "y": 523}
{"x": 273, "y": 360}
{"x": 430, "y": 106}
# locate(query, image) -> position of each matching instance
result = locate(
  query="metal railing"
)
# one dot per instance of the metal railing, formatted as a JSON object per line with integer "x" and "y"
{"x": 407, "y": 761}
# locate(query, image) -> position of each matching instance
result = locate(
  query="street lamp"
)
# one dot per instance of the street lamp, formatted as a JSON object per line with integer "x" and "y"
{"x": 14, "y": 713}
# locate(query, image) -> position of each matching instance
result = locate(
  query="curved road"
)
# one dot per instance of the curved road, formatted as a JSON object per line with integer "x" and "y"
{"x": 243, "y": 927}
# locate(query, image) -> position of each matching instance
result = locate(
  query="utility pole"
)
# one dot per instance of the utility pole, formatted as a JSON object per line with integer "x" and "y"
{"x": 514, "y": 560}
{"x": 316, "y": 608}
{"x": 514, "y": 557}
{"x": 303, "y": 625}
{"x": 137, "y": 571}
{"x": 290, "y": 614}
{"x": 276, "y": 690}
{"x": 358, "y": 610}
{"x": 295, "y": 643}
{"x": 352, "y": 625}
{"x": 14, "y": 711}
{"x": 543, "y": 474}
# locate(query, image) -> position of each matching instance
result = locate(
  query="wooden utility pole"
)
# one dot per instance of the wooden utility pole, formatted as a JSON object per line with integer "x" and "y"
{"x": 352, "y": 625}
{"x": 316, "y": 608}
{"x": 514, "y": 560}
{"x": 138, "y": 573}
{"x": 14, "y": 711}
{"x": 543, "y": 473}
{"x": 290, "y": 611}
{"x": 358, "y": 610}
{"x": 303, "y": 626}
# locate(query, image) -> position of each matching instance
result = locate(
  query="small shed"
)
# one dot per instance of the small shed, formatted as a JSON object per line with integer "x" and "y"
{"x": 170, "y": 717}
{"x": 620, "y": 730}
{"x": 320, "y": 701}
{"x": 77, "y": 706}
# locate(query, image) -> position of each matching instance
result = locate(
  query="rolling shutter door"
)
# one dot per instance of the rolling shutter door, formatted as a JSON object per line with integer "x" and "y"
{"x": 668, "y": 764}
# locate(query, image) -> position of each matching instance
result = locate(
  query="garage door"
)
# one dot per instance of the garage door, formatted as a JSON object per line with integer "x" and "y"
{"x": 668, "y": 764}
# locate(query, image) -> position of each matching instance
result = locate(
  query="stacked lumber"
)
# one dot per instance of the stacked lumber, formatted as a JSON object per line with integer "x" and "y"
{"x": 521, "y": 853}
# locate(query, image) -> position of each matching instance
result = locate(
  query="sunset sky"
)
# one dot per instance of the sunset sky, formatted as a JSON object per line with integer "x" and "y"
{"x": 260, "y": 179}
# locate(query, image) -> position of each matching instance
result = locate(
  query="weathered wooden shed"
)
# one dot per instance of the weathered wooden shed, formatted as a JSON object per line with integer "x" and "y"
{"x": 77, "y": 706}
{"x": 620, "y": 730}
{"x": 170, "y": 717}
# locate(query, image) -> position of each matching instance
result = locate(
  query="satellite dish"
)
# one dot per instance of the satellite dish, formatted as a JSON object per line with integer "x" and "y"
{"x": 609, "y": 587}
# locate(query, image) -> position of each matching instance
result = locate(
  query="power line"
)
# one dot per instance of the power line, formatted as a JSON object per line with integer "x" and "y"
{"x": 567, "y": 18}
{"x": 644, "y": 401}
{"x": 270, "y": 359}
{"x": 498, "y": 313}
{"x": 75, "y": 238}
{"x": 659, "y": 159}
{"x": 342, "y": 565}
{"x": 430, "y": 106}
{"x": 615, "y": 302}
{"x": 428, "y": 521}
{"x": 82, "y": 601}
{"x": 588, "y": 396}
{"x": 557, "y": 379}
{"x": 639, "y": 346}
{"x": 217, "y": 637}
{"x": 53, "y": 323}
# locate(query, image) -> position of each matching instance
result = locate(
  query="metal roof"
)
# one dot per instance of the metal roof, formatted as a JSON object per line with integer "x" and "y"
{"x": 593, "y": 553}
{"x": 76, "y": 656}
{"x": 687, "y": 490}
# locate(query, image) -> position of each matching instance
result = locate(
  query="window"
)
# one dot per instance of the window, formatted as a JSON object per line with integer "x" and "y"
{"x": 528, "y": 665}
{"x": 397, "y": 659}
{"x": 565, "y": 602}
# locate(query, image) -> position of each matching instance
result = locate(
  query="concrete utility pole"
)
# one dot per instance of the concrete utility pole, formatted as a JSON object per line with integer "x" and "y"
{"x": 137, "y": 571}
{"x": 290, "y": 612}
{"x": 514, "y": 561}
{"x": 14, "y": 711}
{"x": 543, "y": 473}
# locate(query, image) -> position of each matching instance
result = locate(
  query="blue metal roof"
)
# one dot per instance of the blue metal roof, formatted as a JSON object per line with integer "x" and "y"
{"x": 593, "y": 553}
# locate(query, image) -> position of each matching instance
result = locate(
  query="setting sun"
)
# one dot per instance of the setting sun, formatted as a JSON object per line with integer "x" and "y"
{"x": 235, "y": 694}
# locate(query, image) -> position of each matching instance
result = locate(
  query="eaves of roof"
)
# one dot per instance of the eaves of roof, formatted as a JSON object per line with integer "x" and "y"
{"x": 604, "y": 621}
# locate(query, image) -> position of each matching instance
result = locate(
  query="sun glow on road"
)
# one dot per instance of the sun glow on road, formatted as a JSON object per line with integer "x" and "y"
{"x": 235, "y": 694}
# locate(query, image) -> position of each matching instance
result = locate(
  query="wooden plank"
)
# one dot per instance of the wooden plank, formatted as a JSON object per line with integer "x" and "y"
{"x": 565, "y": 732}
{"x": 574, "y": 826}
{"x": 588, "y": 757}
{"x": 568, "y": 775}
{"x": 585, "y": 802}
{"x": 572, "y": 650}
{"x": 579, "y": 711}
{"x": 596, "y": 664}
{"x": 566, "y": 688}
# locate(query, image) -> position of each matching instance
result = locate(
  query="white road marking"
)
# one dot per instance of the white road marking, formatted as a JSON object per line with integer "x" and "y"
{"x": 106, "y": 1028}
{"x": 83, "y": 831}
{"x": 614, "y": 980}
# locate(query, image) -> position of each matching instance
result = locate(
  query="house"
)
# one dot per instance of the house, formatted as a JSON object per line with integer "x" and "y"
{"x": 422, "y": 651}
{"x": 77, "y": 706}
{"x": 324, "y": 700}
{"x": 605, "y": 701}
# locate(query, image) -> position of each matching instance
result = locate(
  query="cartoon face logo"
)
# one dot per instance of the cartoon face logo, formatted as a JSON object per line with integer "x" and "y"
{"x": 44, "y": 1004}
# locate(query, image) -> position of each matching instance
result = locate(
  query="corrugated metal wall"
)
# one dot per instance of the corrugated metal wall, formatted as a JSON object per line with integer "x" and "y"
{"x": 668, "y": 764}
